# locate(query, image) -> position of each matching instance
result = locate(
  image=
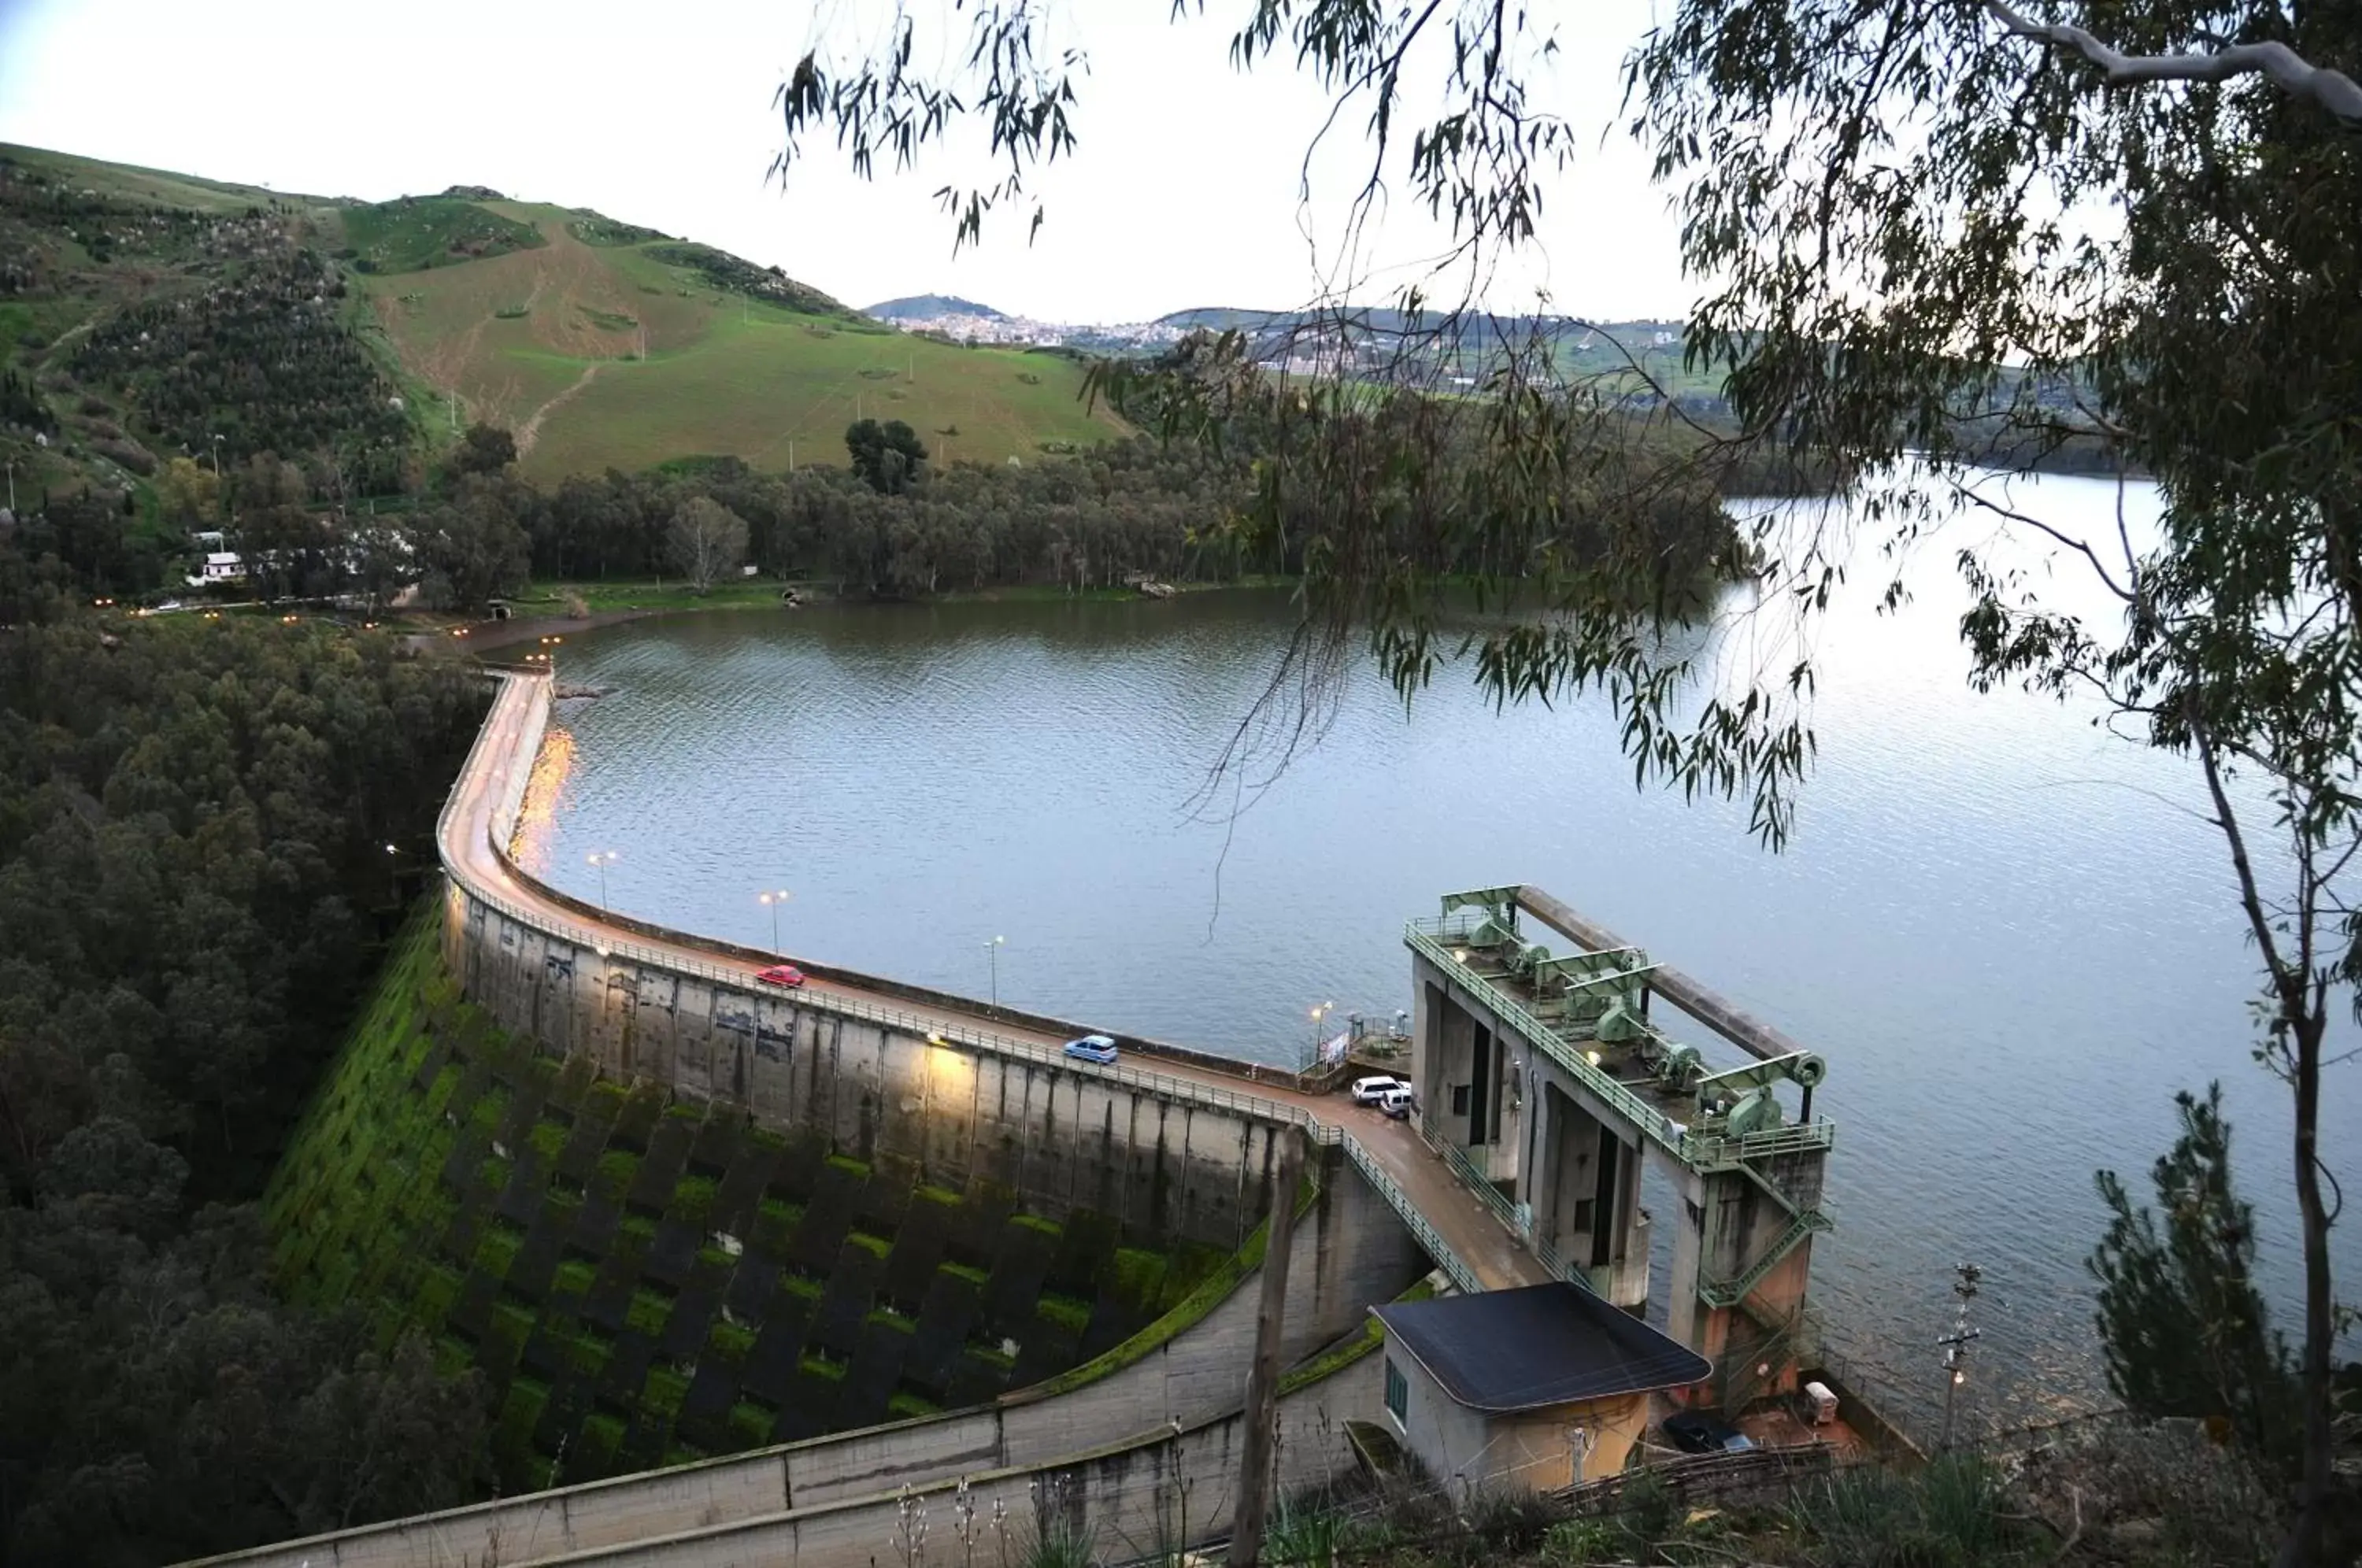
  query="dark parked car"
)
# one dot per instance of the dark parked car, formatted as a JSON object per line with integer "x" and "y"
{"x": 1694, "y": 1432}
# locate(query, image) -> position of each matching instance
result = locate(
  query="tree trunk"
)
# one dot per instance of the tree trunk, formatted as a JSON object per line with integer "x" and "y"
{"x": 2305, "y": 1541}
{"x": 1256, "y": 1449}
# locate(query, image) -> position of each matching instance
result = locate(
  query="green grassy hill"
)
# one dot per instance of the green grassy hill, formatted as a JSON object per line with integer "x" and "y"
{"x": 603, "y": 355}
{"x": 599, "y": 343}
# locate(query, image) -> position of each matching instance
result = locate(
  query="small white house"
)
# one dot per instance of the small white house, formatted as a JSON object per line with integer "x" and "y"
{"x": 220, "y": 566}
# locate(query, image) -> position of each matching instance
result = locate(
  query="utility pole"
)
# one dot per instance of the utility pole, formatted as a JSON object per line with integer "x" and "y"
{"x": 1258, "y": 1450}
{"x": 1956, "y": 1344}
{"x": 12, "y": 487}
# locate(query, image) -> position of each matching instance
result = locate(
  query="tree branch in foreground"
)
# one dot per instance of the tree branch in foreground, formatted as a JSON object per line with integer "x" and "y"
{"x": 2333, "y": 91}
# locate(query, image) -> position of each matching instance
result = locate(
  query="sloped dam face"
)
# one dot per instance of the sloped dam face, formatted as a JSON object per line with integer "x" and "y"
{"x": 643, "y": 1276}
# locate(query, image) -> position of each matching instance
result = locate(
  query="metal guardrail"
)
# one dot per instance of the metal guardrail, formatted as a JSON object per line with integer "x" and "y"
{"x": 1694, "y": 1148}
{"x": 1481, "y": 1186}
{"x": 1731, "y": 1292}
{"x": 946, "y": 1028}
{"x": 1507, "y": 1008}
{"x": 1797, "y": 1138}
{"x": 1416, "y": 1222}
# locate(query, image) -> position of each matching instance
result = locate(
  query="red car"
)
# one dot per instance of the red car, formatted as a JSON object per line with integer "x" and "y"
{"x": 780, "y": 975}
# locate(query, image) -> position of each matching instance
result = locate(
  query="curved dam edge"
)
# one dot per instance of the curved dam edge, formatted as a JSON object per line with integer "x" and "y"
{"x": 1068, "y": 1133}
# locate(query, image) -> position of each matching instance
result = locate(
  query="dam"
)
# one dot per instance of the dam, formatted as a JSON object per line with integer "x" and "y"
{"x": 1545, "y": 1083}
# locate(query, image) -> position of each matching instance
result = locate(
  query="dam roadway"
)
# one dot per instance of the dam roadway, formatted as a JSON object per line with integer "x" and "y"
{"x": 1476, "y": 1248}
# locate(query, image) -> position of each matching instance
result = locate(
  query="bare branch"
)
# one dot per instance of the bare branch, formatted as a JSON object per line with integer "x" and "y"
{"x": 2332, "y": 90}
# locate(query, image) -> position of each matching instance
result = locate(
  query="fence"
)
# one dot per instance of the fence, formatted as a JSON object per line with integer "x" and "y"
{"x": 1704, "y": 1476}
{"x": 1424, "y": 1233}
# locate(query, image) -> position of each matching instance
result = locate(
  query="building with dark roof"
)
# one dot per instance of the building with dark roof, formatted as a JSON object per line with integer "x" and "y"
{"x": 1535, "y": 1388}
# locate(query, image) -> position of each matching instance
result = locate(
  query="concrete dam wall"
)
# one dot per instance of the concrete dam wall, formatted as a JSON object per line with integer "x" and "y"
{"x": 1134, "y": 1451}
{"x": 874, "y": 1086}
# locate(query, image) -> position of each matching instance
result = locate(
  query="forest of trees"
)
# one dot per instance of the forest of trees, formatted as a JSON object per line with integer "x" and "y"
{"x": 194, "y": 886}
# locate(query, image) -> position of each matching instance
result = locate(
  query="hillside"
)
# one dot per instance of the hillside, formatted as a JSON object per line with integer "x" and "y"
{"x": 600, "y": 343}
{"x": 641, "y": 1282}
{"x": 921, "y": 307}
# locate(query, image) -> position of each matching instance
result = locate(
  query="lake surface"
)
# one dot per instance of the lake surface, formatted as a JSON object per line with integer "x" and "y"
{"x": 2012, "y": 936}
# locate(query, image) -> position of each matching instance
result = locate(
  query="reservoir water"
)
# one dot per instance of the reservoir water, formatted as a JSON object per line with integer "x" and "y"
{"x": 2012, "y": 935}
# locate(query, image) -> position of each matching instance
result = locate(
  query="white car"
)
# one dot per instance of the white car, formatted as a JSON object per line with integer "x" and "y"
{"x": 1369, "y": 1092}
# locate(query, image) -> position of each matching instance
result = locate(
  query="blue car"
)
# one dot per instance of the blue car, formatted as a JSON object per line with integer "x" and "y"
{"x": 1092, "y": 1048}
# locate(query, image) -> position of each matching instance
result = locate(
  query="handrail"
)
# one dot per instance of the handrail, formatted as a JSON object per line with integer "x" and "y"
{"x": 1708, "y": 1150}
{"x": 1638, "y": 1111}
{"x": 947, "y": 1029}
{"x": 1416, "y": 1222}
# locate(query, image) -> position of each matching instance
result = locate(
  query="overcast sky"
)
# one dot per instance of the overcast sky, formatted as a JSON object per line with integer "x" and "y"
{"x": 1184, "y": 193}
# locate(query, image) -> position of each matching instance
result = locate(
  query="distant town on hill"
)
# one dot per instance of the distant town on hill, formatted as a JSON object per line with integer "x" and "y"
{"x": 1359, "y": 340}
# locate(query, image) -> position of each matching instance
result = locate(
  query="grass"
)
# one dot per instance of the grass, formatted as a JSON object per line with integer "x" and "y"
{"x": 875, "y": 1246}
{"x": 419, "y": 232}
{"x": 1068, "y": 1313}
{"x": 750, "y": 1424}
{"x": 692, "y": 1199}
{"x": 731, "y": 1340}
{"x": 648, "y": 1312}
{"x": 722, "y": 375}
{"x": 574, "y": 1277}
{"x": 616, "y": 1169}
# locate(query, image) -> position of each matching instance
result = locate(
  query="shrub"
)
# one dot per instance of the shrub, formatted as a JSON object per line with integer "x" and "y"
{"x": 648, "y": 1312}
{"x": 616, "y": 1169}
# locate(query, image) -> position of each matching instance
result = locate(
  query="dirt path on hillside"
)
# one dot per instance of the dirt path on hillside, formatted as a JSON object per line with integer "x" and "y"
{"x": 530, "y": 431}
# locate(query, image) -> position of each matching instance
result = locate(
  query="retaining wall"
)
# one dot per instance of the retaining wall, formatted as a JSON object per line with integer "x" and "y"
{"x": 1162, "y": 1487}
{"x": 1061, "y": 1139}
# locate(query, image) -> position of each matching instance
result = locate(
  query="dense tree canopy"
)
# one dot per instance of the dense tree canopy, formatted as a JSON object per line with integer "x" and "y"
{"x": 194, "y": 819}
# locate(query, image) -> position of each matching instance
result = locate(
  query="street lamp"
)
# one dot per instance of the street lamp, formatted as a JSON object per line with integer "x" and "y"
{"x": 774, "y": 900}
{"x": 1319, "y": 1013}
{"x": 602, "y": 858}
{"x": 549, "y": 654}
{"x": 993, "y": 953}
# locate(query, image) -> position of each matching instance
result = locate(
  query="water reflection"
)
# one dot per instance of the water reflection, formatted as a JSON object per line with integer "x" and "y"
{"x": 2008, "y": 932}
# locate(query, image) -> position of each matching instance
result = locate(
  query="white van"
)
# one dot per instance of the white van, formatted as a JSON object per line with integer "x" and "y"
{"x": 1370, "y": 1090}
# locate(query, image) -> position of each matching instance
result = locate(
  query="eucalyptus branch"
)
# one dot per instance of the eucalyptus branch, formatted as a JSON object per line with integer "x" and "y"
{"x": 2008, "y": 514}
{"x": 2332, "y": 90}
{"x": 2250, "y": 898}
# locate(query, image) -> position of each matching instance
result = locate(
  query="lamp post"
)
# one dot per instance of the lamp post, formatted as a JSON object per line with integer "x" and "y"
{"x": 1318, "y": 1014}
{"x": 393, "y": 871}
{"x": 549, "y": 654}
{"x": 773, "y": 899}
{"x": 602, "y": 858}
{"x": 992, "y": 953}
{"x": 1956, "y": 1344}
